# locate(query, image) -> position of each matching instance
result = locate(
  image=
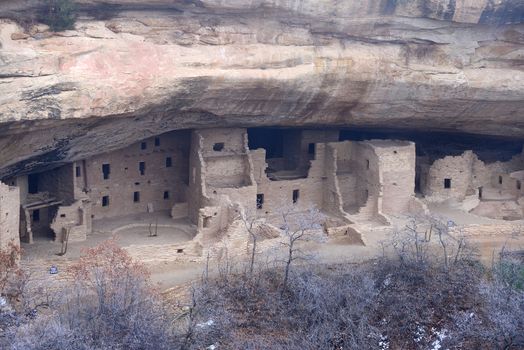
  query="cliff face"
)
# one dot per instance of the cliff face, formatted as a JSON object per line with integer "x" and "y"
{"x": 131, "y": 69}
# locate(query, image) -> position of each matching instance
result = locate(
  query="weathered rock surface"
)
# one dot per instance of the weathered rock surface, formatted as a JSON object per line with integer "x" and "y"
{"x": 134, "y": 68}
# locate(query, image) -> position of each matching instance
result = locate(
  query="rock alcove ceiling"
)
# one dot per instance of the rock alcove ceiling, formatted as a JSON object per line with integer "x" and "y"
{"x": 132, "y": 69}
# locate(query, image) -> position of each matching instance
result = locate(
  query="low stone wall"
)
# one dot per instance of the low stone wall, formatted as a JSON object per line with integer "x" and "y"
{"x": 483, "y": 230}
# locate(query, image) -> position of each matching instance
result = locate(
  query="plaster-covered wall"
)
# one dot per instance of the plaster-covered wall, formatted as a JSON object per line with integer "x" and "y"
{"x": 73, "y": 221}
{"x": 9, "y": 215}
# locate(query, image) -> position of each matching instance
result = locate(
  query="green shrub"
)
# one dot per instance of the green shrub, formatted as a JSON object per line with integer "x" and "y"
{"x": 60, "y": 15}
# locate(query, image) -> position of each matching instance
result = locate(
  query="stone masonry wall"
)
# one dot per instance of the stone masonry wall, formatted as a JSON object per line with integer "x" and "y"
{"x": 397, "y": 168}
{"x": 125, "y": 177}
{"x": 279, "y": 194}
{"x": 459, "y": 169}
{"x": 59, "y": 183}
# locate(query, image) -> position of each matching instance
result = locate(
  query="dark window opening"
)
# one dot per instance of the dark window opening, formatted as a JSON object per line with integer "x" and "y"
{"x": 32, "y": 181}
{"x": 106, "y": 170}
{"x": 218, "y": 147}
{"x": 36, "y": 215}
{"x": 311, "y": 148}
{"x": 143, "y": 145}
{"x": 136, "y": 197}
{"x": 166, "y": 194}
{"x": 157, "y": 141}
{"x": 137, "y": 183}
{"x": 260, "y": 200}
{"x": 500, "y": 180}
{"x": 169, "y": 162}
{"x": 142, "y": 168}
{"x": 519, "y": 185}
{"x": 105, "y": 201}
{"x": 367, "y": 163}
{"x": 78, "y": 171}
{"x": 296, "y": 194}
{"x": 480, "y": 192}
{"x": 272, "y": 140}
{"x": 180, "y": 250}
{"x": 447, "y": 183}
{"x": 62, "y": 215}
{"x": 207, "y": 221}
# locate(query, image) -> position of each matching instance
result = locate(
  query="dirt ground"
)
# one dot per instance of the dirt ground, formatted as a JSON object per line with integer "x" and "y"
{"x": 170, "y": 269}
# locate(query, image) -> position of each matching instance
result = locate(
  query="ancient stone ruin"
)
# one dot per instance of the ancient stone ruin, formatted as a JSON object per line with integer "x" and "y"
{"x": 178, "y": 116}
{"x": 203, "y": 178}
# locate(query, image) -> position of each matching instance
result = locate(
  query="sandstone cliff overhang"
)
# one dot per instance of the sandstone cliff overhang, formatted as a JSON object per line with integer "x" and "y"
{"x": 132, "y": 69}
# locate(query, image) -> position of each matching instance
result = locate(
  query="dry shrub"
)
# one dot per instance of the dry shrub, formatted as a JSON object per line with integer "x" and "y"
{"x": 12, "y": 277}
{"x": 422, "y": 294}
{"x": 110, "y": 305}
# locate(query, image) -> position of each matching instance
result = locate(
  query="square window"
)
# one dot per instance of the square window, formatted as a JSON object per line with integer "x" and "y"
{"x": 169, "y": 162}
{"x": 447, "y": 183}
{"x": 311, "y": 148}
{"x": 142, "y": 168}
{"x": 218, "y": 147}
{"x": 105, "y": 201}
{"x": 296, "y": 194}
{"x": 62, "y": 215}
{"x": 106, "y": 170}
{"x": 260, "y": 201}
{"x": 78, "y": 171}
{"x": 166, "y": 194}
{"x": 143, "y": 145}
{"x": 136, "y": 197}
{"x": 157, "y": 141}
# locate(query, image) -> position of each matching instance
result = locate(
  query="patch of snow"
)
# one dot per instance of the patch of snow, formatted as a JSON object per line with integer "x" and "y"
{"x": 387, "y": 281}
{"x": 441, "y": 335}
{"x": 206, "y": 324}
{"x": 419, "y": 334}
{"x": 383, "y": 343}
{"x": 212, "y": 347}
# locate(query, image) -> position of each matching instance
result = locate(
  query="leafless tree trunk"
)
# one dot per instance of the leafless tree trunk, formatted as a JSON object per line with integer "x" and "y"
{"x": 252, "y": 223}
{"x": 296, "y": 227}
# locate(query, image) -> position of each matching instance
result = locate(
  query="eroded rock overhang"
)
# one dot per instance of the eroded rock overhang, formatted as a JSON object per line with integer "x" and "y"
{"x": 133, "y": 69}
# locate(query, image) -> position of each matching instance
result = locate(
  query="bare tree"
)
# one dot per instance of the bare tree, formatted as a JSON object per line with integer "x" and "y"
{"x": 422, "y": 236}
{"x": 111, "y": 303}
{"x": 253, "y": 224}
{"x": 297, "y": 227}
